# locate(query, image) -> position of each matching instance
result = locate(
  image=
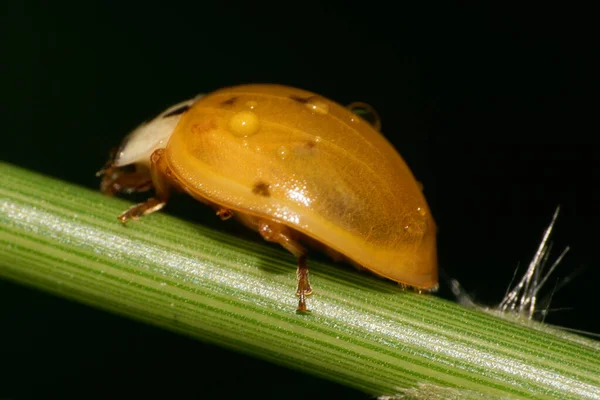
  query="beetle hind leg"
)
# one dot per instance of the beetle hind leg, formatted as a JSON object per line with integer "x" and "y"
{"x": 278, "y": 233}
{"x": 158, "y": 173}
{"x": 304, "y": 289}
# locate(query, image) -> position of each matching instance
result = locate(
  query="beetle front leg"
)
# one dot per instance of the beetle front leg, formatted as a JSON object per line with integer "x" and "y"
{"x": 274, "y": 232}
{"x": 117, "y": 180}
{"x": 158, "y": 174}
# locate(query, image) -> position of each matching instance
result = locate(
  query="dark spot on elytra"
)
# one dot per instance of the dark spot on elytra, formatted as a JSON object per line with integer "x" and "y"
{"x": 229, "y": 102}
{"x": 310, "y": 144}
{"x": 302, "y": 100}
{"x": 261, "y": 188}
{"x": 177, "y": 111}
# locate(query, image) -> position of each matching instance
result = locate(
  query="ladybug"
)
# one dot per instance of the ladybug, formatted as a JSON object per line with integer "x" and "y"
{"x": 298, "y": 168}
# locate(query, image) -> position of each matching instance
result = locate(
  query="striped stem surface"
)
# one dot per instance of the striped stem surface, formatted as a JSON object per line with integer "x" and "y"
{"x": 363, "y": 331}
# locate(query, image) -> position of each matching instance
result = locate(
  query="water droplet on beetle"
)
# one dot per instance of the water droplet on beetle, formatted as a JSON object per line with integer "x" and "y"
{"x": 421, "y": 211}
{"x": 251, "y": 104}
{"x": 317, "y": 105}
{"x": 365, "y": 112}
{"x": 283, "y": 152}
{"x": 244, "y": 123}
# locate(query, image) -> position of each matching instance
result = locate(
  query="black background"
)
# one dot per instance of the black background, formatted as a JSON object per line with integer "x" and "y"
{"x": 493, "y": 109}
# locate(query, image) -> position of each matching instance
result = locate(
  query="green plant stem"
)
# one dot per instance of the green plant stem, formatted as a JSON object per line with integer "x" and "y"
{"x": 363, "y": 331}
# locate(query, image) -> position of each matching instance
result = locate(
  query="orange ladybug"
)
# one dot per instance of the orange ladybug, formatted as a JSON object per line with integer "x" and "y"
{"x": 299, "y": 168}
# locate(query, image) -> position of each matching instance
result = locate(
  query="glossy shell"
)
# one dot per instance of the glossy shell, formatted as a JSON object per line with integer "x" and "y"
{"x": 294, "y": 157}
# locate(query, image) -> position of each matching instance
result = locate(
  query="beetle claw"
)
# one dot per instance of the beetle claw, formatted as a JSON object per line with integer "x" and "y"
{"x": 302, "y": 305}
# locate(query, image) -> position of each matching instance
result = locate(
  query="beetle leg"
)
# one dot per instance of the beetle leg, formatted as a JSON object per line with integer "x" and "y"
{"x": 224, "y": 213}
{"x": 281, "y": 234}
{"x": 158, "y": 173}
{"x": 304, "y": 288}
{"x": 117, "y": 180}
